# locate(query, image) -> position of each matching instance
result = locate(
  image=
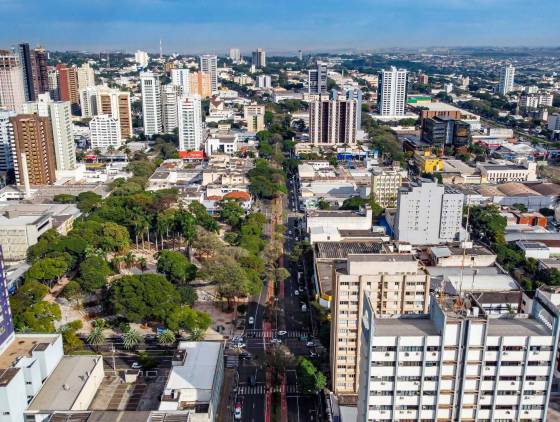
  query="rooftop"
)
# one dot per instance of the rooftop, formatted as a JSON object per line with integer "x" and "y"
{"x": 416, "y": 326}
{"x": 24, "y": 345}
{"x": 341, "y": 250}
{"x": 516, "y": 327}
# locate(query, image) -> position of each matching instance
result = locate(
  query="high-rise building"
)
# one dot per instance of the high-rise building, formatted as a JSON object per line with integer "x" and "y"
{"x": 259, "y": 58}
{"x": 554, "y": 122}
{"x": 86, "y": 76}
{"x": 52, "y": 76}
{"x": 101, "y": 99}
{"x": 190, "y": 123}
{"x": 105, "y": 132}
{"x": 254, "y": 117}
{"x": 201, "y": 84}
{"x": 356, "y": 95}
{"x": 507, "y": 77}
{"x": 142, "y": 59}
{"x": 209, "y": 63}
{"x": 33, "y": 149}
{"x": 170, "y": 106}
{"x": 68, "y": 86}
{"x": 428, "y": 214}
{"x": 88, "y": 102}
{"x": 6, "y": 138}
{"x": 385, "y": 185}
{"x": 443, "y": 130}
{"x": 12, "y": 91}
{"x": 332, "y": 121}
{"x": 25, "y": 60}
{"x": 317, "y": 79}
{"x": 151, "y": 103}
{"x": 181, "y": 78}
{"x": 391, "y": 92}
{"x": 235, "y": 55}
{"x": 395, "y": 283}
{"x": 60, "y": 118}
{"x": 423, "y": 79}
{"x": 264, "y": 81}
{"x": 300, "y": 55}
{"x": 457, "y": 363}
{"x": 40, "y": 70}
{"x": 7, "y": 333}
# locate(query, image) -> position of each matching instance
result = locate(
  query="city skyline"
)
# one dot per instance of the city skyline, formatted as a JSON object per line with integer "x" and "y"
{"x": 211, "y": 27}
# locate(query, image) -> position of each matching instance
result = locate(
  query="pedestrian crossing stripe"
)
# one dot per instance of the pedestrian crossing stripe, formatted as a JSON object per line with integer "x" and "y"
{"x": 270, "y": 334}
{"x": 247, "y": 390}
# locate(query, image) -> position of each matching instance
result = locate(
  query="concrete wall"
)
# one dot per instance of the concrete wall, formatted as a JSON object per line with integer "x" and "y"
{"x": 90, "y": 387}
{"x": 13, "y": 399}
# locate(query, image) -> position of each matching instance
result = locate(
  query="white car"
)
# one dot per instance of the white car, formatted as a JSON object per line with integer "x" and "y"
{"x": 237, "y": 412}
{"x": 135, "y": 365}
{"x": 251, "y": 320}
{"x": 275, "y": 341}
{"x": 281, "y": 333}
{"x": 296, "y": 292}
{"x": 310, "y": 344}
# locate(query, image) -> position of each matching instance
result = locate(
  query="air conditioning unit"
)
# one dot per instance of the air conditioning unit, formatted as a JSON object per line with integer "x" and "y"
{"x": 407, "y": 354}
{"x": 512, "y": 383}
{"x": 387, "y": 354}
{"x": 433, "y": 353}
{"x": 383, "y": 412}
{"x": 382, "y": 383}
{"x": 531, "y": 383}
{"x": 416, "y": 382}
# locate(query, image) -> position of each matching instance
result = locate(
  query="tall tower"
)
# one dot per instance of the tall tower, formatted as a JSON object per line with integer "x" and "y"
{"x": 317, "y": 79}
{"x": 259, "y": 58}
{"x": 160, "y": 49}
{"x": 24, "y": 54}
{"x": 391, "y": 92}
{"x": 507, "y": 77}
{"x": 12, "y": 91}
{"x": 6, "y": 138}
{"x": 209, "y": 64}
{"x": 190, "y": 123}
{"x": 68, "y": 86}
{"x": 151, "y": 103}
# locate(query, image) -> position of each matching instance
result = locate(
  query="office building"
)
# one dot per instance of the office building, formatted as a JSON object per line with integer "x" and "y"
{"x": 259, "y": 58}
{"x": 6, "y": 138}
{"x": 200, "y": 84}
{"x": 59, "y": 114}
{"x": 533, "y": 101}
{"x": 317, "y": 79}
{"x": 86, "y": 76}
{"x": 142, "y": 59}
{"x": 68, "y": 86}
{"x": 170, "y": 105}
{"x": 300, "y": 55}
{"x": 385, "y": 185}
{"x": 458, "y": 363}
{"x": 254, "y": 117}
{"x": 189, "y": 115}
{"x": 33, "y": 150}
{"x": 40, "y": 70}
{"x": 391, "y": 92}
{"x": 209, "y": 63}
{"x": 507, "y": 78}
{"x": 428, "y": 213}
{"x": 394, "y": 283}
{"x": 12, "y": 91}
{"x": 52, "y": 81}
{"x": 235, "y": 55}
{"x": 443, "y": 131}
{"x": 151, "y": 103}
{"x": 180, "y": 77}
{"x": 264, "y": 81}
{"x": 105, "y": 132}
{"x": 332, "y": 121}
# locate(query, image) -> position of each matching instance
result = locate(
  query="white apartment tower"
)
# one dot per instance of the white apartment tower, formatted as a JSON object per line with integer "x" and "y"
{"x": 317, "y": 79}
{"x": 141, "y": 58}
{"x": 235, "y": 55}
{"x": 259, "y": 58}
{"x": 12, "y": 92}
{"x": 105, "y": 132}
{"x": 180, "y": 77}
{"x": 209, "y": 64}
{"x": 332, "y": 121}
{"x": 391, "y": 92}
{"x": 264, "y": 81}
{"x": 60, "y": 116}
{"x": 151, "y": 103}
{"x": 428, "y": 214}
{"x": 507, "y": 77}
{"x": 86, "y": 76}
{"x": 52, "y": 76}
{"x": 6, "y": 139}
{"x": 458, "y": 363}
{"x": 190, "y": 123}
{"x": 170, "y": 104}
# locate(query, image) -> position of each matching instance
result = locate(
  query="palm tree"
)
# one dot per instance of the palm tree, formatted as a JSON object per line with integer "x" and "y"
{"x": 166, "y": 338}
{"x": 131, "y": 338}
{"x": 116, "y": 263}
{"x": 143, "y": 264}
{"x": 129, "y": 259}
{"x": 96, "y": 336}
{"x": 196, "y": 334}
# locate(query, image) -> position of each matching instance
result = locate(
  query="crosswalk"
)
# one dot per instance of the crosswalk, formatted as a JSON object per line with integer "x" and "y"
{"x": 255, "y": 390}
{"x": 273, "y": 333}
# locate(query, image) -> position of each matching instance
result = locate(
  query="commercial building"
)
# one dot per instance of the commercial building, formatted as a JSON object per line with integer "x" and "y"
{"x": 12, "y": 94}
{"x": 201, "y": 84}
{"x": 33, "y": 150}
{"x": 428, "y": 162}
{"x": 428, "y": 214}
{"x": 195, "y": 380}
{"x": 395, "y": 285}
{"x": 317, "y": 79}
{"x": 6, "y": 137}
{"x": 338, "y": 219}
{"x": 235, "y": 55}
{"x": 443, "y": 131}
{"x": 438, "y": 109}
{"x": 151, "y": 103}
{"x": 68, "y": 86}
{"x": 105, "y": 132}
{"x": 86, "y": 76}
{"x": 502, "y": 172}
{"x": 189, "y": 115}
{"x": 52, "y": 80}
{"x": 59, "y": 114}
{"x": 141, "y": 58}
{"x": 254, "y": 117}
{"x": 332, "y": 121}
{"x": 385, "y": 185}
{"x": 259, "y": 58}
{"x": 391, "y": 92}
{"x": 209, "y": 64}
{"x": 534, "y": 101}
{"x": 507, "y": 77}
{"x": 458, "y": 363}
{"x": 180, "y": 77}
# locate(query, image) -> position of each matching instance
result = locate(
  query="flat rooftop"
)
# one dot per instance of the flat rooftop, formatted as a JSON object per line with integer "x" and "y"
{"x": 335, "y": 213}
{"x": 24, "y": 345}
{"x": 121, "y": 416}
{"x": 341, "y": 250}
{"x": 63, "y": 386}
{"x": 391, "y": 327}
{"x": 516, "y": 327}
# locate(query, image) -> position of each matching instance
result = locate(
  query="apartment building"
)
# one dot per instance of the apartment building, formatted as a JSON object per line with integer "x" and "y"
{"x": 34, "y": 70}
{"x": 259, "y": 58}
{"x": 86, "y": 76}
{"x": 317, "y": 79}
{"x": 391, "y": 92}
{"x": 105, "y": 132}
{"x": 181, "y": 78}
{"x": 458, "y": 363}
{"x": 101, "y": 99}
{"x": 6, "y": 135}
{"x": 151, "y": 103}
{"x": 394, "y": 283}
{"x": 209, "y": 64}
{"x": 12, "y": 94}
{"x": 385, "y": 185}
{"x": 332, "y": 121}
{"x": 189, "y": 117}
{"x": 428, "y": 213}
{"x": 507, "y": 78}
{"x": 68, "y": 86}
{"x": 200, "y": 83}
{"x": 254, "y": 117}
{"x": 141, "y": 58}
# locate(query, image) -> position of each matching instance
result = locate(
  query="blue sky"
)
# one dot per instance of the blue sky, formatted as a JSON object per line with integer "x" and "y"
{"x": 277, "y": 25}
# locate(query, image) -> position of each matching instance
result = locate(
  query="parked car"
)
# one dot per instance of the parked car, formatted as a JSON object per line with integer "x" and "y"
{"x": 275, "y": 341}
{"x": 281, "y": 333}
{"x": 251, "y": 320}
{"x": 136, "y": 365}
{"x": 252, "y": 380}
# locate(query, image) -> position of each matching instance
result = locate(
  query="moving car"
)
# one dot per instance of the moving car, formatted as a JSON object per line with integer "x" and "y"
{"x": 251, "y": 320}
{"x": 281, "y": 333}
{"x": 237, "y": 412}
{"x": 275, "y": 341}
{"x": 296, "y": 292}
{"x": 136, "y": 365}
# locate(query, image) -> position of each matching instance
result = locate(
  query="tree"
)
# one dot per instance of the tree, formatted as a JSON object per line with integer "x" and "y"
{"x": 232, "y": 213}
{"x": 206, "y": 243}
{"x": 187, "y": 319}
{"x": 131, "y": 338}
{"x": 202, "y": 217}
{"x": 65, "y": 198}
{"x": 93, "y": 273}
{"x": 353, "y": 203}
{"x": 88, "y": 201}
{"x": 143, "y": 264}
{"x": 188, "y": 295}
{"x": 70, "y": 340}
{"x": 166, "y": 338}
{"x": 72, "y": 291}
{"x": 47, "y": 270}
{"x": 311, "y": 380}
{"x": 96, "y": 336}
{"x": 323, "y": 205}
{"x": 486, "y": 222}
{"x": 278, "y": 359}
{"x": 175, "y": 266}
{"x": 196, "y": 334}
{"x": 115, "y": 237}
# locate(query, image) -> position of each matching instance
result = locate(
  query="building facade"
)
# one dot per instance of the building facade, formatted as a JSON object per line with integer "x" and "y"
{"x": 332, "y": 121}
{"x": 259, "y": 58}
{"x": 181, "y": 77}
{"x": 12, "y": 91}
{"x": 68, "y": 86}
{"x": 254, "y": 117}
{"x": 507, "y": 78}
{"x": 209, "y": 64}
{"x": 170, "y": 105}
{"x": 235, "y": 55}
{"x": 6, "y": 139}
{"x": 391, "y": 92}
{"x": 141, "y": 58}
{"x": 189, "y": 115}
{"x": 317, "y": 79}
{"x": 151, "y": 103}
{"x": 104, "y": 100}
{"x": 201, "y": 84}
{"x": 385, "y": 185}
{"x": 86, "y": 76}
{"x": 105, "y": 132}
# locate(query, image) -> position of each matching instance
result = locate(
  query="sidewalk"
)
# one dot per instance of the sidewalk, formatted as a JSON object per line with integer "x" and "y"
{"x": 226, "y": 399}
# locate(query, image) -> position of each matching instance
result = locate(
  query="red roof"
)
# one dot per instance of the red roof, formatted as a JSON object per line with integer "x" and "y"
{"x": 191, "y": 154}
{"x": 214, "y": 198}
{"x": 242, "y": 196}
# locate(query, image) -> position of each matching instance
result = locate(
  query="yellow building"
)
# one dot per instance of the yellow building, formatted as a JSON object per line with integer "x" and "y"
{"x": 428, "y": 162}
